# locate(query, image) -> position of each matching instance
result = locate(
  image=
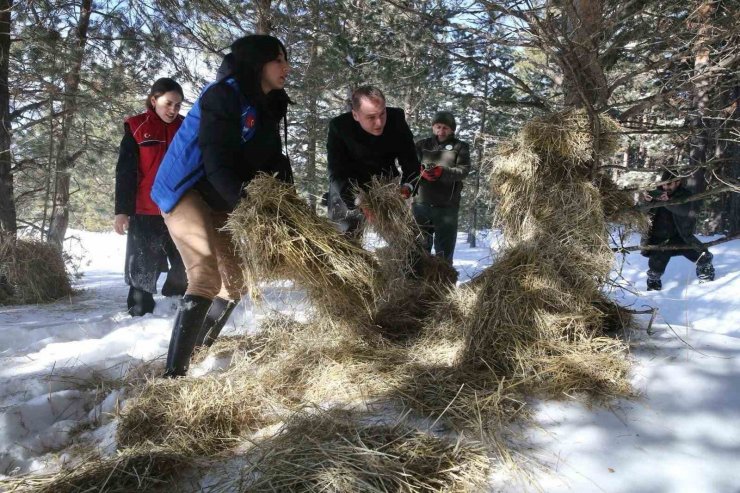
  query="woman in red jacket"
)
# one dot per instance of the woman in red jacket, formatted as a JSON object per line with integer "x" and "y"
{"x": 148, "y": 246}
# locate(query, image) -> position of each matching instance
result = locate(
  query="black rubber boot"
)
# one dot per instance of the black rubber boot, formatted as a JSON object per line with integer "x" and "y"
{"x": 654, "y": 285}
{"x": 139, "y": 302}
{"x": 653, "y": 280}
{"x": 215, "y": 320}
{"x": 704, "y": 268}
{"x": 188, "y": 322}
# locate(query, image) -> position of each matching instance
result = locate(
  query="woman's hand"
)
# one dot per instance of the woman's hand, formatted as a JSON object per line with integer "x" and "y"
{"x": 120, "y": 223}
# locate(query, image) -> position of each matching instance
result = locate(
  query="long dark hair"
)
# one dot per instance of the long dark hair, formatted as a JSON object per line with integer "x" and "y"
{"x": 250, "y": 54}
{"x": 162, "y": 86}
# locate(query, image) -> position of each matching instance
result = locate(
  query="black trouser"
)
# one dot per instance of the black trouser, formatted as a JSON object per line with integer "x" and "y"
{"x": 149, "y": 249}
{"x": 439, "y": 227}
{"x": 658, "y": 259}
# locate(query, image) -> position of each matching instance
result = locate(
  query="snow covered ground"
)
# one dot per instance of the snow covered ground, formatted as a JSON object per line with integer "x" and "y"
{"x": 59, "y": 363}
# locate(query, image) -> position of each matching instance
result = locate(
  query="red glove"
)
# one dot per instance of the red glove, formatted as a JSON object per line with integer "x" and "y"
{"x": 405, "y": 190}
{"x": 431, "y": 174}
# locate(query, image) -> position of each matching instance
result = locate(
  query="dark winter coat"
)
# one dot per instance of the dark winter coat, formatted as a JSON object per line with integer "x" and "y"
{"x": 230, "y": 164}
{"x": 673, "y": 223}
{"x": 453, "y": 156}
{"x": 145, "y": 141}
{"x": 355, "y": 156}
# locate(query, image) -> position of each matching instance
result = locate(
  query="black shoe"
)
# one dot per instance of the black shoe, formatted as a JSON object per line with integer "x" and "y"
{"x": 139, "y": 302}
{"x": 705, "y": 272}
{"x": 654, "y": 285}
{"x": 188, "y": 321}
{"x": 215, "y": 320}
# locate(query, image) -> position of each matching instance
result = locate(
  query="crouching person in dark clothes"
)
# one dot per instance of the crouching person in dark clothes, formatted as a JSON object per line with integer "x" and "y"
{"x": 364, "y": 143}
{"x": 673, "y": 225}
{"x": 231, "y": 134}
{"x": 445, "y": 162}
{"x": 148, "y": 246}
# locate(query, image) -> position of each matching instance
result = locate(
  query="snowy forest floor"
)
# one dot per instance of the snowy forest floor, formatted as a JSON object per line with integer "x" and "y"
{"x": 59, "y": 364}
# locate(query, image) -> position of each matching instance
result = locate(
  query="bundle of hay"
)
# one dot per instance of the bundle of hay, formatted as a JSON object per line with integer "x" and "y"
{"x": 279, "y": 237}
{"x": 393, "y": 221}
{"x": 619, "y": 207}
{"x": 195, "y": 416}
{"x": 32, "y": 271}
{"x": 539, "y": 315}
{"x": 566, "y": 140}
{"x": 338, "y": 452}
{"x": 137, "y": 469}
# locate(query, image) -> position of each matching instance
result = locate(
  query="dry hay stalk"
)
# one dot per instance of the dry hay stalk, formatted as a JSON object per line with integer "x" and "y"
{"x": 569, "y": 213}
{"x": 31, "y": 271}
{"x": 464, "y": 399}
{"x": 199, "y": 416}
{"x": 392, "y": 217}
{"x": 595, "y": 366}
{"x": 619, "y": 207}
{"x": 527, "y": 311}
{"x": 565, "y": 140}
{"x": 337, "y": 452}
{"x": 278, "y": 236}
{"x": 321, "y": 361}
{"x": 137, "y": 469}
{"x": 403, "y": 308}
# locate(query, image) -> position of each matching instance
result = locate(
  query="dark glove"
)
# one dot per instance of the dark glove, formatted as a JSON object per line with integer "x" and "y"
{"x": 282, "y": 169}
{"x": 431, "y": 174}
{"x": 405, "y": 190}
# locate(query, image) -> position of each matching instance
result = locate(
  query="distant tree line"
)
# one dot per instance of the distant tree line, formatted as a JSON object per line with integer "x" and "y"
{"x": 667, "y": 70}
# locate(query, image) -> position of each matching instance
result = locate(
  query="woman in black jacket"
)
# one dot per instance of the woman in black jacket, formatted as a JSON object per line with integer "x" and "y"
{"x": 239, "y": 137}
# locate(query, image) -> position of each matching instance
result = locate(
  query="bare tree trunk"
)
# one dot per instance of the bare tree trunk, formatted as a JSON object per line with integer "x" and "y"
{"x": 729, "y": 153}
{"x": 8, "y": 221}
{"x": 65, "y": 161}
{"x": 699, "y": 141}
{"x": 473, "y": 223}
{"x": 584, "y": 83}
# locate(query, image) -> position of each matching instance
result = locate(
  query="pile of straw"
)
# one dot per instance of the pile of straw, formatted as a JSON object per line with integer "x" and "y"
{"x": 135, "y": 469}
{"x": 31, "y": 271}
{"x": 341, "y": 452}
{"x": 279, "y": 237}
{"x": 322, "y": 362}
{"x": 194, "y": 416}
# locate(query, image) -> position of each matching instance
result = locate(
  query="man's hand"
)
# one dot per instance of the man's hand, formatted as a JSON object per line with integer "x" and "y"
{"x": 369, "y": 216}
{"x": 120, "y": 223}
{"x": 405, "y": 190}
{"x": 648, "y": 197}
{"x": 432, "y": 174}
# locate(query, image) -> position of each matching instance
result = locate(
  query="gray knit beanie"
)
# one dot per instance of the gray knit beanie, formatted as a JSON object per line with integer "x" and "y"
{"x": 446, "y": 118}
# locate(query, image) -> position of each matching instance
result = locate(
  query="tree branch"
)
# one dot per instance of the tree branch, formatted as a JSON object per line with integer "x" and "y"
{"x": 654, "y": 248}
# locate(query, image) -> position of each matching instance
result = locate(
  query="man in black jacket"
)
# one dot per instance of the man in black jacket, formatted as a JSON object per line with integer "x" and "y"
{"x": 363, "y": 143}
{"x": 673, "y": 225}
{"x": 445, "y": 162}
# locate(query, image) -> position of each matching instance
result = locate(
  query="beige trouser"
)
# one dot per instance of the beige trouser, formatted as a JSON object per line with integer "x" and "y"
{"x": 210, "y": 261}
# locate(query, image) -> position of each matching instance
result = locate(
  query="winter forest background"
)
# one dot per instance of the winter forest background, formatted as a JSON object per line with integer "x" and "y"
{"x": 71, "y": 71}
